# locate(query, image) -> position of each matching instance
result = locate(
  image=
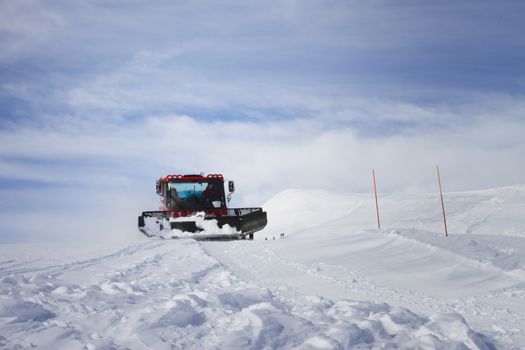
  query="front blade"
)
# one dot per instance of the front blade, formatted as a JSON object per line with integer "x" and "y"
{"x": 235, "y": 224}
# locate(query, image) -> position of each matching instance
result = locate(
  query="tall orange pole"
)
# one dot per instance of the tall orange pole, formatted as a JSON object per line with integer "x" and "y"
{"x": 442, "y": 203}
{"x": 375, "y": 193}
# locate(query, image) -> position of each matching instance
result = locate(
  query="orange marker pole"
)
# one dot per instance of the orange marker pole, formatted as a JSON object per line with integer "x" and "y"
{"x": 375, "y": 193}
{"x": 442, "y": 203}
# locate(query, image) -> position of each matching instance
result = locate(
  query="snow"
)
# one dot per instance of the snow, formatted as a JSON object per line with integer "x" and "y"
{"x": 333, "y": 282}
{"x": 156, "y": 227}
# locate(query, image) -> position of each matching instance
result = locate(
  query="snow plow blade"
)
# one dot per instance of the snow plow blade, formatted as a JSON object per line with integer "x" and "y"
{"x": 240, "y": 223}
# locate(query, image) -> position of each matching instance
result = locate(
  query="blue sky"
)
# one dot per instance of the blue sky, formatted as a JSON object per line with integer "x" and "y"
{"x": 99, "y": 98}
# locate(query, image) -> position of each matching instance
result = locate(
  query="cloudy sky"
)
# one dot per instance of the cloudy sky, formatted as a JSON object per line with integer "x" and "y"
{"x": 100, "y": 98}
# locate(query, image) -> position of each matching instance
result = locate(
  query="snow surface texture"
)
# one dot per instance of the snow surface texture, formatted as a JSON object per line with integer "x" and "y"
{"x": 333, "y": 282}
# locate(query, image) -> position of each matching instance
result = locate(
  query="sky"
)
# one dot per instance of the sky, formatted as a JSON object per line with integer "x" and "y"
{"x": 100, "y": 98}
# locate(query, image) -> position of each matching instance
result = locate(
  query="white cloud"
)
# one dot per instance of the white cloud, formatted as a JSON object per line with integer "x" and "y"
{"x": 278, "y": 154}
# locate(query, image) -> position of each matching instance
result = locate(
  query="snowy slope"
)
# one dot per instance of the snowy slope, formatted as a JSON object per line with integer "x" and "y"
{"x": 496, "y": 211}
{"x": 332, "y": 249}
{"x": 333, "y": 282}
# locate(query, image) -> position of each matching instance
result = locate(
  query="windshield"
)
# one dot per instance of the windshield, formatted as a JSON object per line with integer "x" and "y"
{"x": 195, "y": 195}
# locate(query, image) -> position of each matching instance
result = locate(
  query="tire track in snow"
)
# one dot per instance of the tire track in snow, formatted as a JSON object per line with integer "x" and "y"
{"x": 353, "y": 283}
{"x": 260, "y": 264}
{"x": 80, "y": 264}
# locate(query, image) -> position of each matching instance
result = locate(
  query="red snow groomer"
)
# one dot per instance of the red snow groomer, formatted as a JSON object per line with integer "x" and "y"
{"x": 196, "y": 206}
